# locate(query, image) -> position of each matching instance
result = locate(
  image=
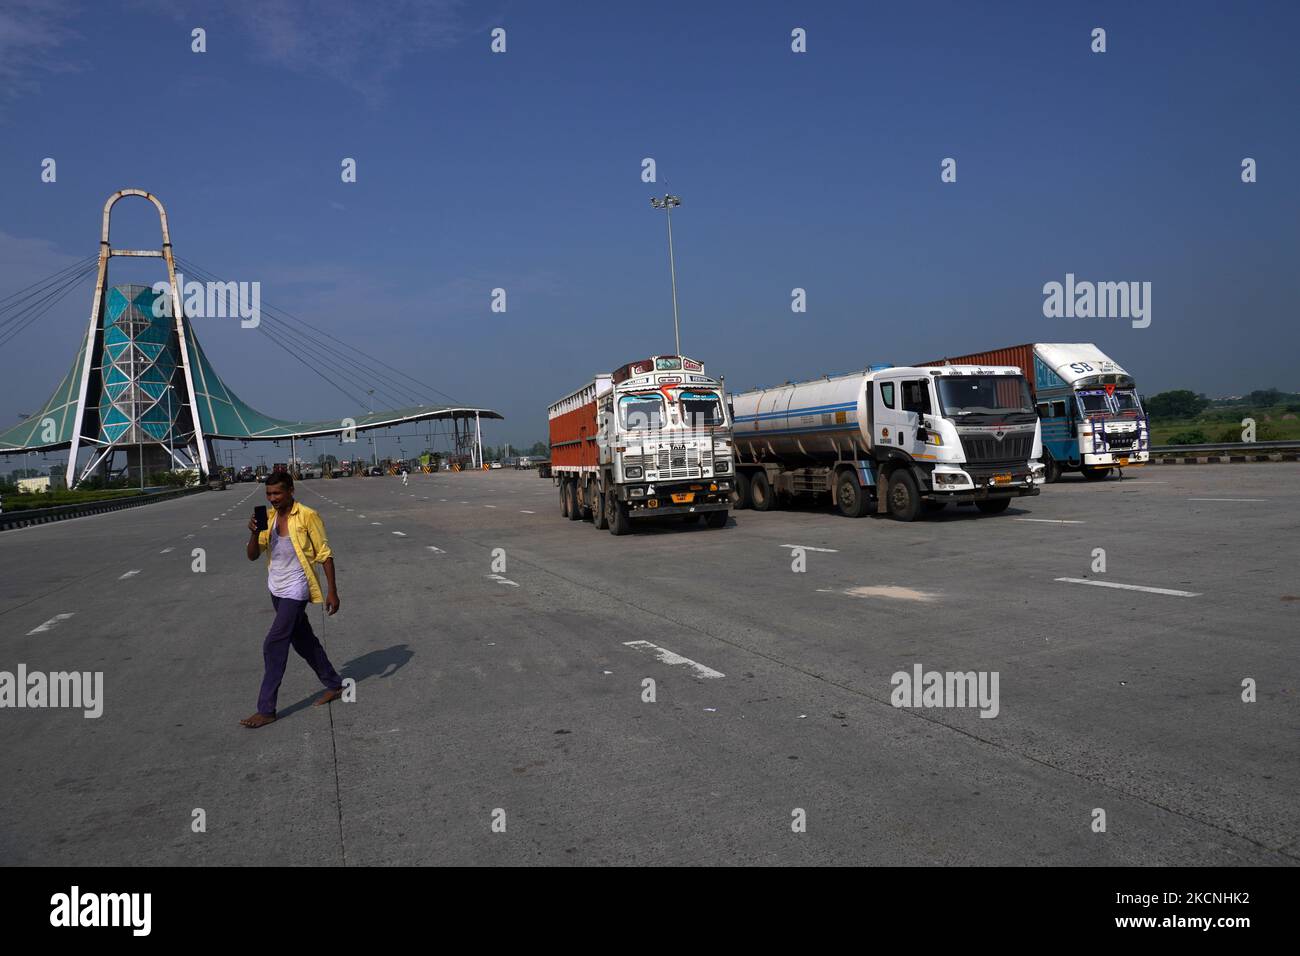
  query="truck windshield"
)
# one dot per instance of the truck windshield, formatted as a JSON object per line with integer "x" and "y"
{"x": 984, "y": 395}
{"x": 1095, "y": 402}
{"x": 700, "y": 409}
{"x": 641, "y": 411}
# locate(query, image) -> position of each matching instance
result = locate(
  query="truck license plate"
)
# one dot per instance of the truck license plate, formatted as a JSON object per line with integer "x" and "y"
{"x": 683, "y": 498}
{"x": 1001, "y": 479}
{"x": 1122, "y": 461}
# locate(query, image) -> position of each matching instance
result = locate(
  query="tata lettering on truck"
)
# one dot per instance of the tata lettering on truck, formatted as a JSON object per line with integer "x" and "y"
{"x": 901, "y": 440}
{"x": 1091, "y": 415}
{"x": 651, "y": 439}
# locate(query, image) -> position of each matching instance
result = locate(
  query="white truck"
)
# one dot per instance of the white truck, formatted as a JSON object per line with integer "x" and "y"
{"x": 650, "y": 439}
{"x": 904, "y": 439}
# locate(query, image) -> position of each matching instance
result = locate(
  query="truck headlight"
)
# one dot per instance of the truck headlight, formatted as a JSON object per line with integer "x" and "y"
{"x": 933, "y": 439}
{"x": 634, "y": 471}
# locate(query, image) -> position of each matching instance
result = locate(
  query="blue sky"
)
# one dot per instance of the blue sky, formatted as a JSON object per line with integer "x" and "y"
{"x": 522, "y": 170}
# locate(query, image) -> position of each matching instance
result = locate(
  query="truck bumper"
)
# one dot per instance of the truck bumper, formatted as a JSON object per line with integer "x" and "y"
{"x": 710, "y": 497}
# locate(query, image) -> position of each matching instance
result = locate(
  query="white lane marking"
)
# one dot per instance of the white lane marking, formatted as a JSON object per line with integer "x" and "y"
{"x": 489, "y": 506}
{"x": 435, "y": 550}
{"x": 442, "y": 499}
{"x": 400, "y": 534}
{"x": 166, "y": 550}
{"x": 1048, "y": 520}
{"x": 189, "y": 536}
{"x": 129, "y": 574}
{"x": 668, "y": 657}
{"x": 42, "y": 628}
{"x": 522, "y": 512}
{"x": 360, "y": 516}
{"x": 500, "y": 580}
{"x": 1130, "y": 587}
{"x": 376, "y": 522}
{"x": 809, "y": 548}
{"x": 1227, "y": 499}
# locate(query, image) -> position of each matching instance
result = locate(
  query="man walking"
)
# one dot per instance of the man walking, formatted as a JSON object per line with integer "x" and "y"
{"x": 294, "y": 541}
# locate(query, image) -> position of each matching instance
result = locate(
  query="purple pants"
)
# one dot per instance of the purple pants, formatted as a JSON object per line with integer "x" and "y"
{"x": 291, "y": 627}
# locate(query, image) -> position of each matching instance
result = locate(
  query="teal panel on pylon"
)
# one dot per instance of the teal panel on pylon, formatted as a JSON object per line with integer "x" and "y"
{"x": 113, "y": 392}
{"x": 154, "y": 390}
{"x": 115, "y": 376}
{"x": 117, "y": 304}
{"x": 114, "y": 416}
{"x": 115, "y": 337}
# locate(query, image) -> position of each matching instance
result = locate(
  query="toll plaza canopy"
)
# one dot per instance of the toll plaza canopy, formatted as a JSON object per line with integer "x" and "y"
{"x": 136, "y": 390}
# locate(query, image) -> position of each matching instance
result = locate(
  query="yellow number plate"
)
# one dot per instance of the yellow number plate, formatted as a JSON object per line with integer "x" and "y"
{"x": 683, "y": 499}
{"x": 1122, "y": 461}
{"x": 1001, "y": 479}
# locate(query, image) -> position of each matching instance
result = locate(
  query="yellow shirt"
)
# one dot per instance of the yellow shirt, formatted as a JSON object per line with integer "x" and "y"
{"x": 307, "y": 532}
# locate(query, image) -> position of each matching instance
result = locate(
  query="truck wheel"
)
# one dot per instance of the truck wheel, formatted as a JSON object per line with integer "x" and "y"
{"x": 575, "y": 510}
{"x": 619, "y": 522}
{"x": 589, "y": 501}
{"x": 742, "y": 490}
{"x": 564, "y": 498}
{"x": 599, "y": 516}
{"x": 1051, "y": 470}
{"x": 993, "y": 506}
{"x": 761, "y": 495}
{"x": 849, "y": 496}
{"x": 1096, "y": 474}
{"x": 716, "y": 519}
{"x": 904, "y": 500}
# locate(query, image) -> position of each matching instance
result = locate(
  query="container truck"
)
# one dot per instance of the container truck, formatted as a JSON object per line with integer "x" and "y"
{"x": 650, "y": 439}
{"x": 1091, "y": 415}
{"x": 905, "y": 440}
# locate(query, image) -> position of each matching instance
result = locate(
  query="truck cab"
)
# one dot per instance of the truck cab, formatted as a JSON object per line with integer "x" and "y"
{"x": 963, "y": 433}
{"x": 664, "y": 441}
{"x": 1092, "y": 417}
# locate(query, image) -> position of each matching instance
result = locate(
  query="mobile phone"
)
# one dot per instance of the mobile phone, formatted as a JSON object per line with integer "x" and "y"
{"x": 259, "y": 512}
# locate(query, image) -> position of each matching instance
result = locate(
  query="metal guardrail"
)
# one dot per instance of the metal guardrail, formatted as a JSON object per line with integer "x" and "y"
{"x": 1225, "y": 448}
{"x": 22, "y": 519}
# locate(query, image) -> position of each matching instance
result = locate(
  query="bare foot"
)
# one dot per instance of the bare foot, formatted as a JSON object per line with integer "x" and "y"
{"x": 258, "y": 720}
{"x": 329, "y": 695}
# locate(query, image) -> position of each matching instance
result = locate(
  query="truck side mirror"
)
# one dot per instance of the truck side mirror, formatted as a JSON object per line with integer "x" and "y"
{"x": 922, "y": 434}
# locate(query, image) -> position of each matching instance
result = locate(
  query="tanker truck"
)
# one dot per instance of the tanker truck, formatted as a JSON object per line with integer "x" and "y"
{"x": 905, "y": 440}
{"x": 651, "y": 439}
{"x": 1091, "y": 415}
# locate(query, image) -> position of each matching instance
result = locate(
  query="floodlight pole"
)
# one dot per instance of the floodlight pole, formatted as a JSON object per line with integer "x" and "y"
{"x": 667, "y": 203}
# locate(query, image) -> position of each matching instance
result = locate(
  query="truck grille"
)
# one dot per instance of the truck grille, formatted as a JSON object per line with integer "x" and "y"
{"x": 1120, "y": 440}
{"x": 981, "y": 449}
{"x": 679, "y": 461}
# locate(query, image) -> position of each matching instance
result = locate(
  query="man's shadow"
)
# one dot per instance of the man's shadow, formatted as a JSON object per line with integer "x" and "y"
{"x": 383, "y": 663}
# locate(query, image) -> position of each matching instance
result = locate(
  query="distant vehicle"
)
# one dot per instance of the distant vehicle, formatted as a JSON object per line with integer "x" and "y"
{"x": 245, "y": 474}
{"x": 1091, "y": 415}
{"x": 903, "y": 439}
{"x": 313, "y": 472}
{"x": 495, "y": 464}
{"x": 375, "y": 472}
{"x": 650, "y": 439}
{"x": 523, "y": 461}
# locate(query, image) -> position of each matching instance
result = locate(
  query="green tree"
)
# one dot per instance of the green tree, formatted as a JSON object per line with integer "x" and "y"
{"x": 1180, "y": 403}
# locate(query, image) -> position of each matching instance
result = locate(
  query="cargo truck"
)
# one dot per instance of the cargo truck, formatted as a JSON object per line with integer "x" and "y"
{"x": 650, "y": 439}
{"x": 1091, "y": 415}
{"x": 904, "y": 440}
